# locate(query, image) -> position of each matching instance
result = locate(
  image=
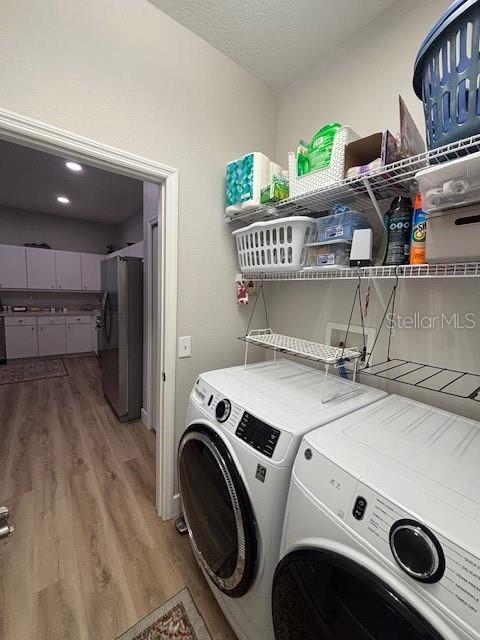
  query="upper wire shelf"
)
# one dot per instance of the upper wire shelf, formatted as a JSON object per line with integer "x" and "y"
{"x": 419, "y": 271}
{"x": 386, "y": 182}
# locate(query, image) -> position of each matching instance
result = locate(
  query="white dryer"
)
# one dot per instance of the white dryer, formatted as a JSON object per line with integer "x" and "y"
{"x": 244, "y": 427}
{"x": 382, "y": 529}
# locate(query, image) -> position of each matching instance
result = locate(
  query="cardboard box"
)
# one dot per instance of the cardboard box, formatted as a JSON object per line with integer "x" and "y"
{"x": 383, "y": 147}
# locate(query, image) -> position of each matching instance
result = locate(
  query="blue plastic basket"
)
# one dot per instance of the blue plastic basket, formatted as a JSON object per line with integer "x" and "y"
{"x": 447, "y": 75}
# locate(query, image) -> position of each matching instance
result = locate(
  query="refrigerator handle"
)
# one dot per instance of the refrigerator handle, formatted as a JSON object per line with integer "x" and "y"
{"x": 108, "y": 317}
{"x": 104, "y": 315}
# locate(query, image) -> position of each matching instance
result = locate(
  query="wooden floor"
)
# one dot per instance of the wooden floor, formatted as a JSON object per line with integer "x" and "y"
{"x": 89, "y": 556}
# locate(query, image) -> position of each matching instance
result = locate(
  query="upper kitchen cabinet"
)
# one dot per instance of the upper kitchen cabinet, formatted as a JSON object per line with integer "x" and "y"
{"x": 91, "y": 263}
{"x": 13, "y": 267}
{"x": 68, "y": 270}
{"x": 40, "y": 268}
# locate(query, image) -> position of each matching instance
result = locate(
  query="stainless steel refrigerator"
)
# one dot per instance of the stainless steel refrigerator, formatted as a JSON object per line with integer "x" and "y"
{"x": 120, "y": 335}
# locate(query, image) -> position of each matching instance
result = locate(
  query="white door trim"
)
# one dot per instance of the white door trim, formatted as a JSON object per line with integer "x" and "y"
{"x": 33, "y": 133}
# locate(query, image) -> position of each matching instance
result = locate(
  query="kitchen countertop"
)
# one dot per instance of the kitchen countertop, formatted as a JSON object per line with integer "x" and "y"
{"x": 21, "y": 314}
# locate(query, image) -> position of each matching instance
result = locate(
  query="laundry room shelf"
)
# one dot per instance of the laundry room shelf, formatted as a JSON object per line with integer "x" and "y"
{"x": 361, "y": 192}
{"x": 457, "y": 270}
{"x": 306, "y": 350}
{"x": 301, "y": 348}
{"x": 459, "y": 384}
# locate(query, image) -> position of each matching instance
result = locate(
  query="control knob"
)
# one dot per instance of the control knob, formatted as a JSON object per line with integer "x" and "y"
{"x": 222, "y": 410}
{"x": 417, "y": 551}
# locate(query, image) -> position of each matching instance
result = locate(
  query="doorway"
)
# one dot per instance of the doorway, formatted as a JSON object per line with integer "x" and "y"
{"x": 31, "y": 133}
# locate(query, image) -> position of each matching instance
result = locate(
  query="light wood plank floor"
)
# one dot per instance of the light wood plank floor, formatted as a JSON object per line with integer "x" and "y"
{"x": 89, "y": 556}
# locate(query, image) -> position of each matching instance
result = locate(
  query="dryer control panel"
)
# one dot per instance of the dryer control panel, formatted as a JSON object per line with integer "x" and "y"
{"x": 257, "y": 434}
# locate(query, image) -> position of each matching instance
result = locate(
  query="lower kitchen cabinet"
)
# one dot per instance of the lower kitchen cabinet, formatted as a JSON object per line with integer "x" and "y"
{"x": 51, "y": 340}
{"x": 21, "y": 341}
{"x": 79, "y": 337}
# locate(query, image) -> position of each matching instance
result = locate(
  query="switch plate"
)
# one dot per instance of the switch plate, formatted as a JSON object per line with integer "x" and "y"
{"x": 185, "y": 347}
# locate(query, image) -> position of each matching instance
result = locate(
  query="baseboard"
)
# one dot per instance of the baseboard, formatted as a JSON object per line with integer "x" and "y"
{"x": 145, "y": 418}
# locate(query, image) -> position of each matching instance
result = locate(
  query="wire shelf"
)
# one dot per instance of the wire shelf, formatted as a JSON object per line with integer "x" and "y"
{"x": 300, "y": 348}
{"x": 387, "y": 182}
{"x": 454, "y": 270}
{"x": 459, "y": 384}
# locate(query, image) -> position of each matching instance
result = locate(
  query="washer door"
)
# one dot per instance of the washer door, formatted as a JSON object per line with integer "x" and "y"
{"x": 217, "y": 511}
{"x": 321, "y": 595}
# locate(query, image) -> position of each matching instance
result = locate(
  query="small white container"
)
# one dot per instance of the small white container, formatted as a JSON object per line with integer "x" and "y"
{"x": 453, "y": 236}
{"x": 274, "y": 246}
{"x": 450, "y": 184}
{"x": 324, "y": 255}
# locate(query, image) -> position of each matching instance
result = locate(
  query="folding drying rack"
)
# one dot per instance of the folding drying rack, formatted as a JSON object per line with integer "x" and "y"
{"x": 305, "y": 349}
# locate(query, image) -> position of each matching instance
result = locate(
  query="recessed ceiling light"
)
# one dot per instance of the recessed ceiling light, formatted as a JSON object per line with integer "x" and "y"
{"x": 63, "y": 199}
{"x": 74, "y": 166}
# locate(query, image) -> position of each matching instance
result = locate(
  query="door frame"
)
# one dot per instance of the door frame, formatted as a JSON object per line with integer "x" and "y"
{"x": 26, "y": 131}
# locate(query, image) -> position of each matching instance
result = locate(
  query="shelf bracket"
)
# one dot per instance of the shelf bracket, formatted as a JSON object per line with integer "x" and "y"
{"x": 374, "y": 200}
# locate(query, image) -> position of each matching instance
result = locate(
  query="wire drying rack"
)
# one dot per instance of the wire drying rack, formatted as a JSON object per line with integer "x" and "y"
{"x": 299, "y": 348}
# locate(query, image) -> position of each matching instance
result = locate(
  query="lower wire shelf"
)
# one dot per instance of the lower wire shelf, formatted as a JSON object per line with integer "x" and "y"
{"x": 459, "y": 384}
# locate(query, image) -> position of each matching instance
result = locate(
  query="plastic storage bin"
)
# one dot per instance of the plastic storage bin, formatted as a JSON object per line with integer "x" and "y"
{"x": 274, "y": 246}
{"x": 453, "y": 236}
{"x": 452, "y": 184}
{"x": 333, "y": 174}
{"x": 322, "y": 255}
{"x": 340, "y": 226}
{"x": 446, "y": 74}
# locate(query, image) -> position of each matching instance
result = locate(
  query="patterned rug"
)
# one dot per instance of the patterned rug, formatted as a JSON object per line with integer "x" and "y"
{"x": 22, "y": 371}
{"x": 176, "y": 619}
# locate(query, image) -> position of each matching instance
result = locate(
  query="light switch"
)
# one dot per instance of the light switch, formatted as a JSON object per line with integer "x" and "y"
{"x": 185, "y": 347}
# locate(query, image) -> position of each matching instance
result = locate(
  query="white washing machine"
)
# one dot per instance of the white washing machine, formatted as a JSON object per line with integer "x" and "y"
{"x": 244, "y": 427}
{"x": 382, "y": 529}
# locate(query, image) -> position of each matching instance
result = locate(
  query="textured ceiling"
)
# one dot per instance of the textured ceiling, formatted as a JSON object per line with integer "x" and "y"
{"x": 275, "y": 41}
{"x": 32, "y": 180}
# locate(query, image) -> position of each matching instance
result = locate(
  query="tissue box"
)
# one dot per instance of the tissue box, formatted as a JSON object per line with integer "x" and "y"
{"x": 275, "y": 191}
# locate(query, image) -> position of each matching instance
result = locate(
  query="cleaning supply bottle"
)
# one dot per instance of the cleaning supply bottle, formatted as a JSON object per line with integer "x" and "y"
{"x": 399, "y": 226}
{"x": 303, "y": 163}
{"x": 419, "y": 233}
{"x": 321, "y": 145}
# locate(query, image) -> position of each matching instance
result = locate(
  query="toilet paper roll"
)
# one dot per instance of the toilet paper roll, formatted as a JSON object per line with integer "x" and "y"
{"x": 456, "y": 186}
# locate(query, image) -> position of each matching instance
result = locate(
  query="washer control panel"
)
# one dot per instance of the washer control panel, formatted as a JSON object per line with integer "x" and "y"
{"x": 452, "y": 574}
{"x": 257, "y": 434}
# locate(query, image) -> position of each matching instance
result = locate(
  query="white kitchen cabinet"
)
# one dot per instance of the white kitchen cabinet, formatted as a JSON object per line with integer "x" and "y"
{"x": 40, "y": 268}
{"x": 91, "y": 265}
{"x": 21, "y": 341}
{"x": 51, "y": 339}
{"x": 79, "y": 337}
{"x": 13, "y": 267}
{"x": 68, "y": 270}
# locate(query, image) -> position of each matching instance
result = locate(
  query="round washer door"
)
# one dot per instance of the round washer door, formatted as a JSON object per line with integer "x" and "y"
{"x": 322, "y": 595}
{"x": 217, "y": 511}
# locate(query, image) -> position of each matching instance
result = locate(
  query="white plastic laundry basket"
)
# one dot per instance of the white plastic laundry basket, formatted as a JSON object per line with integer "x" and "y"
{"x": 274, "y": 246}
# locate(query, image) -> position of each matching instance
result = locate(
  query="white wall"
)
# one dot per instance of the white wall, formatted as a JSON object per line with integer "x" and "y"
{"x": 359, "y": 85}
{"x": 125, "y": 74}
{"x": 67, "y": 234}
{"x": 130, "y": 230}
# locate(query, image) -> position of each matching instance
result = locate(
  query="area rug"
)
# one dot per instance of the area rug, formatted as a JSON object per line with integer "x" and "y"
{"x": 31, "y": 370}
{"x": 177, "y": 618}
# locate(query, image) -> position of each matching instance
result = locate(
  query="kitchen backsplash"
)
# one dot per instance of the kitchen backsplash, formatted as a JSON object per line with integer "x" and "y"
{"x": 46, "y": 299}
